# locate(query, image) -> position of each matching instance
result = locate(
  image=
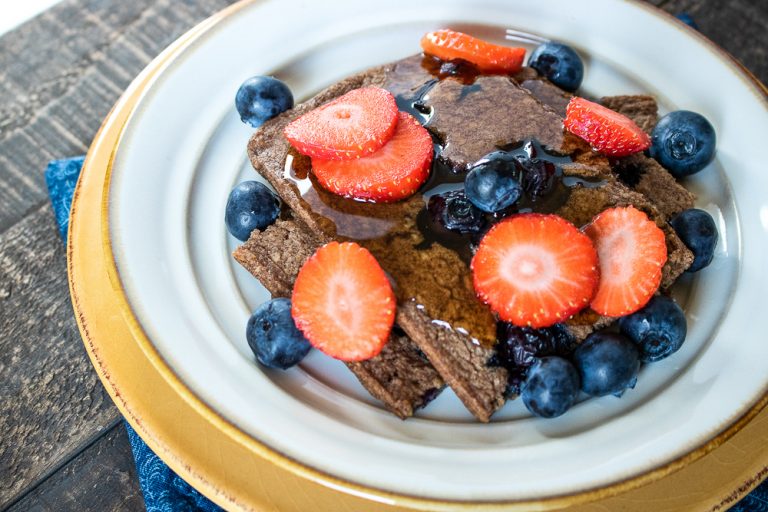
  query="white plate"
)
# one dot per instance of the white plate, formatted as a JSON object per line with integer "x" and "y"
{"x": 184, "y": 149}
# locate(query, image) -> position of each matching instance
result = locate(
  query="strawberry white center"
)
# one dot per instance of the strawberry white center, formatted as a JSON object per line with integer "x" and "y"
{"x": 528, "y": 266}
{"x": 612, "y": 252}
{"x": 342, "y": 302}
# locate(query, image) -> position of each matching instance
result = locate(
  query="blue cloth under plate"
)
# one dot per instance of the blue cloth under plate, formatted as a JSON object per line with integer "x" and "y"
{"x": 163, "y": 490}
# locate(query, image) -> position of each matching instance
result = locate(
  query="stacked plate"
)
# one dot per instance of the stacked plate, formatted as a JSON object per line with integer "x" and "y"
{"x": 162, "y": 306}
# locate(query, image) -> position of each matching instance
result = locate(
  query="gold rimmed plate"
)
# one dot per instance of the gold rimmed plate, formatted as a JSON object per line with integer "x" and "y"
{"x": 206, "y": 417}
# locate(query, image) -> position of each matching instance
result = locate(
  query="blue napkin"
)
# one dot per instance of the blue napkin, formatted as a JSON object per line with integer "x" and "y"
{"x": 163, "y": 490}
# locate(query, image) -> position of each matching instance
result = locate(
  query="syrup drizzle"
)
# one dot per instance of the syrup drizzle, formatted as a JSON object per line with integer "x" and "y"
{"x": 429, "y": 263}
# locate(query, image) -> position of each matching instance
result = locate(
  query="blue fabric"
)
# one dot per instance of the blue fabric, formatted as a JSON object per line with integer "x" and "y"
{"x": 687, "y": 19}
{"x": 163, "y": 490}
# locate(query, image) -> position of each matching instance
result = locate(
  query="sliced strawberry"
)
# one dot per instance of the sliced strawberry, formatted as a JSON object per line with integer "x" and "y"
{"x": 535, "y": 270}
{"x": 343, "y": 303}
{"x": 487, "y": 57}
{"x": 392, "y": 173}
{"x": 353, "y": 125}
{"x": 606, "y": 131}
{"x": 632, "y": 251}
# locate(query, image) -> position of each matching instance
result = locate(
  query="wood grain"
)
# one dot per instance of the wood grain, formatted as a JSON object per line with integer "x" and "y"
{"x": 102, "y": 477}
{"x": 61, "y": 446}
{"x": 51, "y": 402}
{"x": 737, "y": 26}
{"x": 62, "y": 73}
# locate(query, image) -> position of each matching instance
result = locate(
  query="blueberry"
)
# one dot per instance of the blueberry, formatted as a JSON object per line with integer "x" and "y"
{"x": 522, "y": 346}
{"x": 455, "y": 212}
{"x": 697, "y": 229}
{"x": 559, "y": 63}
{"x": 273, "y": 336}
{"x": 658, "y": 329}
{"x": 251, "y": 205}
{"x": 492, "y": 185}
{"x": 683, "y": 142}
{"x": 551, "y": 387}
{"x": 608, "y": 364}
{"x": 537, "y": 177}
{"x": 260, "y": 98}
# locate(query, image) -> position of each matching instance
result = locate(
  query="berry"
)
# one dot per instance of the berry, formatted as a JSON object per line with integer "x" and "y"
{"x": 343, "y": 302}
{"x": 559, "y": 63}
{"x": 251, "y": 205}
{"x": 535, "y": 270}
{"x": 683, "y": 142}
{"x": 394, "y": 172}
{"x": 537, "y": 176}
{"x": 273, "y": 336}
{"x": 658, "y": 329}
{"x": 260, "y": 98}
{"x": 453, "y": 211}
{"x": 351, "y": 126}
{"x": 489, "y": 58}
{"x": 697, "y": 229}
{"x": 523, "y": 346}
{"x": 493, "y": 184}
{"x": 632, "y": 251}
{"x": 606, "y": 131}
{"x": 608, "y": 364}
{"x": 551, "y": 387}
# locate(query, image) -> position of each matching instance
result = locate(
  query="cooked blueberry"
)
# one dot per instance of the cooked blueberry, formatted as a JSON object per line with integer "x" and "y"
{"x": 251, "y": 205}
{"x": 260, "y": 98}
{"x": 522, "y": 346}
{"x": 683, "y": 142}
{"x": 608, "y": 364}
{"x": 658, "y": 329}
{"x": 516, "y": 377}
{"x": 559, "y": 63}
{"x": 551, "y": 387}
{"x": 273, "y": 336}
{"x": 537, "y": 177}
{"x": 455, "y": 212}
{"x": 492, "y": 185}
{"x": 697, "y": 229}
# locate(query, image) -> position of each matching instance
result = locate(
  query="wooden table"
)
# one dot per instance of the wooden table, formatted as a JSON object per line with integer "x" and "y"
{"x": 62, "y": 445}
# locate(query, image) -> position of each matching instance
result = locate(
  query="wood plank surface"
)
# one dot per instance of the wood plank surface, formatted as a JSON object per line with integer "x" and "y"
{"x": 102, "y": 477}
{"x": 61, "y": 444}
{"x": 63, "y": 71}
{"x": 59, "y": 76}
{"x": 738, "y": 26}
{"x": 51, "y": 401}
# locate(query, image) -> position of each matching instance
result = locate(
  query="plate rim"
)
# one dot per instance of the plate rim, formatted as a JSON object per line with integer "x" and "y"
{"x": 125, "y": 106}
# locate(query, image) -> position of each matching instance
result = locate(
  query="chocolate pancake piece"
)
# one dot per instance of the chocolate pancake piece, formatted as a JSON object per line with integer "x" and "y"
{"x": 543, "y": 90}
{"x": 464, "y": 366}
{"x": 433, "y": 275}
{"x": 437, "y": 305}
{"x": 642, "y": 173}
{"x": 399, "y": 376}
{"x": 641, "y": 108}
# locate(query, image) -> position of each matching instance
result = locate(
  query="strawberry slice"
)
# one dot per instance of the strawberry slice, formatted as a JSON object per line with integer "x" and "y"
{"x": 353, "y": 125}
{"x": 632, "y": 251}
{"x": 392, "y": 173}
{"x": 607, "y": 131}
{"x": 487, "y": 57}
{"x": 343, "y": 303}
{"x": 535, "y": 270}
